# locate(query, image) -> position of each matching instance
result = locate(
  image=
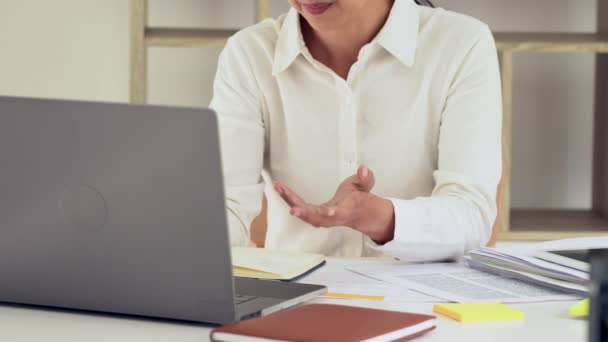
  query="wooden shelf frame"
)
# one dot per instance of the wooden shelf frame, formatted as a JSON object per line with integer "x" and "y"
{"x": 186, "y": 38}
{"x": 143, "y": 37}
{"x": 526, "y": 224}
{"x": 505, "y": 42}
{"x": 552, "y": 42}
{"x": 532, "y": 224}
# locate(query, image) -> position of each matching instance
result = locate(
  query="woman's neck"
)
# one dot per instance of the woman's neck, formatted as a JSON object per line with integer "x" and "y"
{"x": 339, "y": 49}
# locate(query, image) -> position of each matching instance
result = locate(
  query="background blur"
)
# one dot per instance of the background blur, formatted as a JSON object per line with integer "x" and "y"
{"x": 79, "y": 49}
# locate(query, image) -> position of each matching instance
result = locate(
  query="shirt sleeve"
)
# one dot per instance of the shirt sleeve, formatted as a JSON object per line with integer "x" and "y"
{"x": 460, "y": 213}
{"x": 237, "y": 101}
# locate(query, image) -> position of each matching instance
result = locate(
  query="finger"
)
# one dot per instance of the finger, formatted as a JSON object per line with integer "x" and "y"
{"x": 366, "y": 178}
{"x": 316, "y": 216}
{"x": 313, "y": 216}
{"x": 328, "y": 211}
{"x": 349, "y": 209}
{"x": 295, "y": 211}
{"x": 289, "y": 195}
{"x": 340, "y": 216}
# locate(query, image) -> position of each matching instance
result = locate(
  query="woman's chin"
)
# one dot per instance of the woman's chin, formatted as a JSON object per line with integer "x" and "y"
{"x": 326, "y": 21}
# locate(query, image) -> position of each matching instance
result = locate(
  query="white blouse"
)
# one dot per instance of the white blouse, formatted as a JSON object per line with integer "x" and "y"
{"x": 421, "y": 108}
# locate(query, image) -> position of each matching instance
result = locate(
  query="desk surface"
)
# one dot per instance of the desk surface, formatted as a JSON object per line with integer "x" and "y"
{"x": 544, "y": 322}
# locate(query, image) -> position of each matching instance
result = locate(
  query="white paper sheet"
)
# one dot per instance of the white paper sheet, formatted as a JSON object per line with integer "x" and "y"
{"x": 341, "y": 280}
{"x": 458, "y": 283}
{"x": 557, "y": 245}
{"x": 574, "y": 244}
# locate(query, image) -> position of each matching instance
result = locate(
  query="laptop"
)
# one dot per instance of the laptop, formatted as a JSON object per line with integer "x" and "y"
{"x": 120, "y": 209}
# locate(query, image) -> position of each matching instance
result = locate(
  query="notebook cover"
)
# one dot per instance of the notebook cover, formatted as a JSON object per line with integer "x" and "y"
{"x": 263, "y": 263}
{"x": 327, "y": 322}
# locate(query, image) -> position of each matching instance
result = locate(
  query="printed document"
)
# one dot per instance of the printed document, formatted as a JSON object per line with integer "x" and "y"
{"x": 339, "y": 279}
{"x": 458, "y": 283}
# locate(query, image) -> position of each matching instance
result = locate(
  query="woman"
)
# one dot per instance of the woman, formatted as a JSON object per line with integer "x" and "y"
{"x": 373, "y": 126}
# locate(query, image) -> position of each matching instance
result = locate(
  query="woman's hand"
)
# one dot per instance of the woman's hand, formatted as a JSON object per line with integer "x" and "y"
{"x": 353, "y": 205}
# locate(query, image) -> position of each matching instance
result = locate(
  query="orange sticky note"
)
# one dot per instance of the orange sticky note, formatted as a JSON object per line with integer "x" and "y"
{"x": 352, "y": 296}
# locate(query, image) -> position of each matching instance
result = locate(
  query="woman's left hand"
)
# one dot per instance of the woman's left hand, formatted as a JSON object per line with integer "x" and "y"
{"x": 353, "y": 205}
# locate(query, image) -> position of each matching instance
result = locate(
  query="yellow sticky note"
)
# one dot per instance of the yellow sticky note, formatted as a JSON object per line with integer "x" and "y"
{"x": 479, "y": 312}
{"x": 580, "y": 309}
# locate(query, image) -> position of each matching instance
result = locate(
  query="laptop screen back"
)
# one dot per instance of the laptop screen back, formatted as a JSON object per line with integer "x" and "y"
{"x": 115, "y": 208}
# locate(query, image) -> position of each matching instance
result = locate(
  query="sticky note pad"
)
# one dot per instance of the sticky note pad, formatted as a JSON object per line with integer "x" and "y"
{"x": 580, "y": 309}
{"x": 479, "y": 312}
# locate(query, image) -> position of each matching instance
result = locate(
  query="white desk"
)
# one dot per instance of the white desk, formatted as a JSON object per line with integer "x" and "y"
{"x": 544, "y": 322}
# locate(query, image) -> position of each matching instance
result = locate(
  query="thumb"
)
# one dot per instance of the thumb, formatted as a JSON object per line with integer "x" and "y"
{"x": 366, "y": 178}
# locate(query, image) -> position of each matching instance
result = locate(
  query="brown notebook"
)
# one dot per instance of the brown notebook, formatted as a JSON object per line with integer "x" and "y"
{"x": 327, "y": 322}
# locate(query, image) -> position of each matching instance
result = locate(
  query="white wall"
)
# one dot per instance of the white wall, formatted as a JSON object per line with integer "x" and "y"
{"x": 74, "y": 49}
{"x": 79, "y": 49}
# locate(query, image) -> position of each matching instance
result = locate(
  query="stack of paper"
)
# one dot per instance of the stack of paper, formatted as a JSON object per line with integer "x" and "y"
{"x": 507, "y": 275}
{"x": 530, "y": 269}
{"x": 529, "y": 264}
{"x": 458, "y": 283}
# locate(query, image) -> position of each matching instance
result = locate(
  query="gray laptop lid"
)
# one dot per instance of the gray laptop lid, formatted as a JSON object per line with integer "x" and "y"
{"x": 115, "y": 208}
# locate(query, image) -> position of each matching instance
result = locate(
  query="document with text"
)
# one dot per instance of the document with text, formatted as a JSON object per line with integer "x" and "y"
{"x": 339, "y": 279}
{"x": 457, "y": 283}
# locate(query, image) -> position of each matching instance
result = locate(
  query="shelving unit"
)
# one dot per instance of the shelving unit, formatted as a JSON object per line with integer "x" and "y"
{"x": 143, "y": 37}
{"x": 532, "y": 224}
{"x": 515, "y": 224}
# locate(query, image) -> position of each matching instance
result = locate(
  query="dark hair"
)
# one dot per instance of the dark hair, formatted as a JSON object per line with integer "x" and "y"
{"x": 424, "y": 3}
